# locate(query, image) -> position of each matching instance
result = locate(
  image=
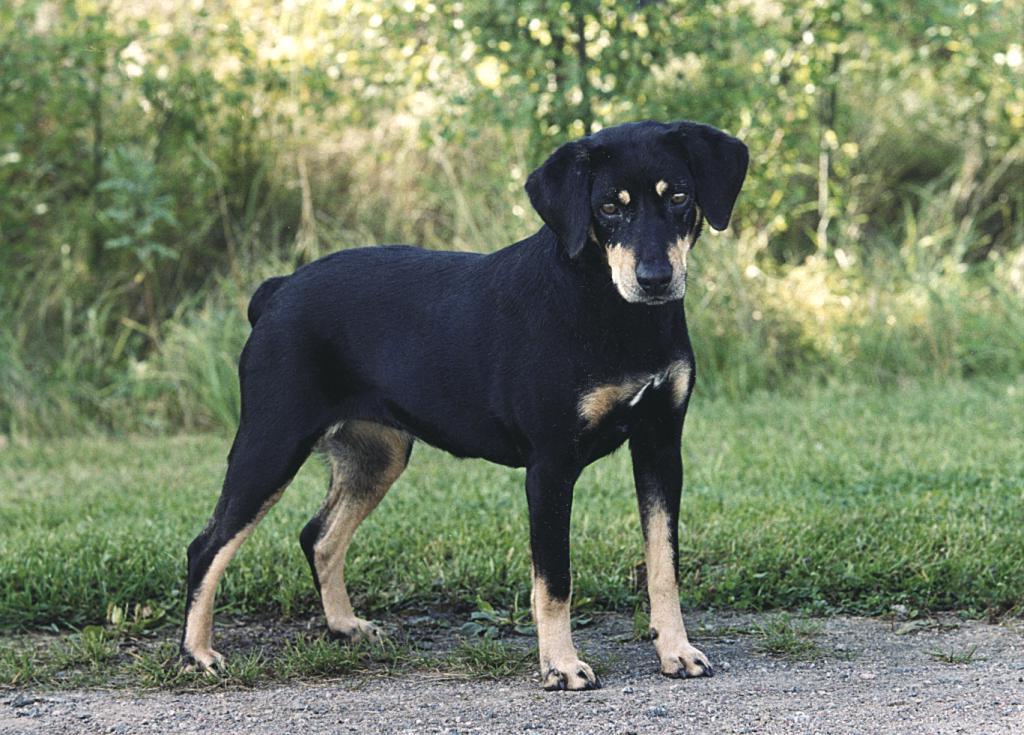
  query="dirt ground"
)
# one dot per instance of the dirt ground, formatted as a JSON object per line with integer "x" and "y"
{"x": 865, "y": 676}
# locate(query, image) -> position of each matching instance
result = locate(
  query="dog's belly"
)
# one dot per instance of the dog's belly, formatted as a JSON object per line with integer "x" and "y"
{"x": 604, "y": 441}
{"x": 492, "y": 445}
{"x": 460, "y": 432}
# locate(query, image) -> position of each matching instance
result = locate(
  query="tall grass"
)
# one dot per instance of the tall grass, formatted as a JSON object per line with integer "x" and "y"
{"x": 921, "y": 298}
{"x": 752, "y": 331}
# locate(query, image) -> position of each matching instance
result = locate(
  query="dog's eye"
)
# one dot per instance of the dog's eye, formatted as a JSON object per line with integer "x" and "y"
{"x": 678, "y": 198}
{"x": 609, "y": 208}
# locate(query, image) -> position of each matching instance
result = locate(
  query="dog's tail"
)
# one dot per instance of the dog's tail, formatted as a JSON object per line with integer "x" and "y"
{"x": 259, "y": 300}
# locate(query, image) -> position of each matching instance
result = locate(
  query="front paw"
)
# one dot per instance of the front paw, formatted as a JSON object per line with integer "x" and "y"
{"x": 573, "y": 676}
{"x": 685, "y": 662}
{"x": 356, "y": 630}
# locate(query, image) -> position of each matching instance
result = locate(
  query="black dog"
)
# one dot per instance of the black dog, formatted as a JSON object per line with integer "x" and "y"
{"x": 548, "y": 354}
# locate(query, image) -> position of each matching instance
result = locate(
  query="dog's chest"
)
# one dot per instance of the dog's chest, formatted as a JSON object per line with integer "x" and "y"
{"x": 613, "y": 401}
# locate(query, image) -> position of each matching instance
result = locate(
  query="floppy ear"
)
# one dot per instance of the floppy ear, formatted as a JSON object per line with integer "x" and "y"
{"x": 560, "y": 192}
{"x": 718, "y": 162}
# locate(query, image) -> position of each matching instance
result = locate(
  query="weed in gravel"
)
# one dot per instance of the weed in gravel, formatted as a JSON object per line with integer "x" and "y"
{"x": 314, "y": 656}
{"x": 160, "y": 668}
{"x": 247, "y": 670}
{"x": 490, "y": 622}
{"x": 80, "y": 659}
{"x": 318, "y": 656}
{"x": 641, "y": 624}
{"x": 789, "y": 638}
{"x": 953, "y": 657}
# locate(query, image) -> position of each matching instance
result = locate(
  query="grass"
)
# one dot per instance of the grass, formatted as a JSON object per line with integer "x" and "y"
{"x": 490, "y": 659}
{"x": 105, "y": 658}
{"x": 845, "y": 500}
{"x": 849, "y": 500}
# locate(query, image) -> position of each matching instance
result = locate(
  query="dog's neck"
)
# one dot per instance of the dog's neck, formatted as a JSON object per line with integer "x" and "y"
{"x": 653, "y": 333}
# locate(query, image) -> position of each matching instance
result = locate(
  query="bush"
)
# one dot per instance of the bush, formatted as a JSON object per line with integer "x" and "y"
{"x": 151, "y": 163}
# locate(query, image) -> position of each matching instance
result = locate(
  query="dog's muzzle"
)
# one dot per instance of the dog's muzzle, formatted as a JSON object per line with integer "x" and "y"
{"x": 654, "y": 279}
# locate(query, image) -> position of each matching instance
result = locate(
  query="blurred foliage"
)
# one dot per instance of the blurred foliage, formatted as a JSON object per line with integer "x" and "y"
{"x": 157, "y": 159}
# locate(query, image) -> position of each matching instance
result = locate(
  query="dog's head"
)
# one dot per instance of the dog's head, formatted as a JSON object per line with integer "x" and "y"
{"x": 640, "y": 191}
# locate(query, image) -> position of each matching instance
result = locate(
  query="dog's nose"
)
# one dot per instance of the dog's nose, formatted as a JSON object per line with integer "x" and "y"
{"x": 654, "y": 277}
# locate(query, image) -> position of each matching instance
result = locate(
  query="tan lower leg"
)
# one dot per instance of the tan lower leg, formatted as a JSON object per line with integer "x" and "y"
{"x": 678, "y": 657}
{"x": 359, "y": 480}
{"x": 199, "y": 624}
{"x": 560, "y": 666}
{"x": 329, "y": 555}
{"x": 554, "y": 631}
{"x": 662, "y": 587}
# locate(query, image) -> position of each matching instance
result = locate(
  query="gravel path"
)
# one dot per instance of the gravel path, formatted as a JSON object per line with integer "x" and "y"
{"x": 868, "y": 676}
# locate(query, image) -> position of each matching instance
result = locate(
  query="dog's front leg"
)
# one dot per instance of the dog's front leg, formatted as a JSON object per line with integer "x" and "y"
{"x": 549, "y": 492}
{"x": 658, "y": 471}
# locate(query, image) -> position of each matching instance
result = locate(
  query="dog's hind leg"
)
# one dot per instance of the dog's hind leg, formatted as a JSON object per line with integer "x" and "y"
{"x": 366, "y": 459}
{"x": 260, "y": 466}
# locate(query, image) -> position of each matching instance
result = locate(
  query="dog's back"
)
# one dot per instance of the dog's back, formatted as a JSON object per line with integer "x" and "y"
{"x": 401, "y": 336}
{"x": 258, "y": 302}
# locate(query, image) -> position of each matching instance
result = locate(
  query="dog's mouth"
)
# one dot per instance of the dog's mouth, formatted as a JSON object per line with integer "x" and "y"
{"x": 637, "y": 295}
{"x": 660, "y": 300}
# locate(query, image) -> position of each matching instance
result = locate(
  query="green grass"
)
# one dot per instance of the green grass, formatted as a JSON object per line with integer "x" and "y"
{"x": 109, "y": 659}
{"x": 846, "y": 500}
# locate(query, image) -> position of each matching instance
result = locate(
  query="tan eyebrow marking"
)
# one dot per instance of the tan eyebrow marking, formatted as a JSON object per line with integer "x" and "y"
{"x": 661, "y": 187}
{"x": 624, "y": 196}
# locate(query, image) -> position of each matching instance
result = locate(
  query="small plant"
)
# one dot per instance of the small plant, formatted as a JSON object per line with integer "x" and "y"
{"x": 318, "y": 656}
{"x": 792, "y": 639}
{"x": 490, "y": 622}
{"x": 19, "y": 665}
{"x": 161, "y": 668}
{"x": 489, "y": 659}
{"x": 134, "y": 620}
{"x": 136, "y": 209}
{"x": 966, "y": 656}
{"x": 90, "y": 649}
{"x": 311, "y": 656}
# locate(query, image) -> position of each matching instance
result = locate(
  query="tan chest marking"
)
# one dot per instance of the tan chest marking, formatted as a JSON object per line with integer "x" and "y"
{"x": 600, "y": 400}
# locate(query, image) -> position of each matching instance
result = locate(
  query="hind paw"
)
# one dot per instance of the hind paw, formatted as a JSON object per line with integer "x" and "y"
{"x": 356, "y": 630}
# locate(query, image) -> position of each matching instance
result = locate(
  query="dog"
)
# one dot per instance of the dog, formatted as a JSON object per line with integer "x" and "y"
{"x": 548, "y": 354}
